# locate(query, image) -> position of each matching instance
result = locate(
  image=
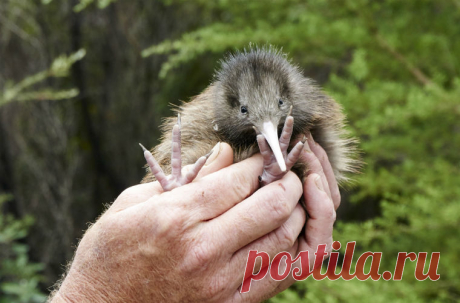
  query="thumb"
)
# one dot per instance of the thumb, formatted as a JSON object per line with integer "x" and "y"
{"x": 221, "y": 157}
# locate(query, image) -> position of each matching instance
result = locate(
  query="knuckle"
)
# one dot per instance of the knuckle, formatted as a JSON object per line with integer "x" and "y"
{"x": 240, "y": 184}
{"x": 316, "y": 166}
{"x": 198, "y": 258}
{"x": 336, "y": 197}
{"x": 280, "y": 207}
{"x": 321, "y": 154}
{"x": 128, "y": 193}
{"x": 297, "y": 184}
{"x": 201, "y": 254}
{"x": 319, "y": 151}
{"x": 326, "y": 209}
{"x": 170, "y": 223}
{"x": 284, "y": 237}
{"x": 330, "y": 214}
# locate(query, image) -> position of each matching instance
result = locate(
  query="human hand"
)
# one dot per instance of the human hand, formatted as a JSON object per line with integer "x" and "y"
{"x": 322, "y": 197}
{"x": 191, "y": 244}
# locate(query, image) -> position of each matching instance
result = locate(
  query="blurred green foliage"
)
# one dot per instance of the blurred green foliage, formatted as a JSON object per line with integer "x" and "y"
{"x": 85, "y": 3}
{"x": 394, "y": 66}
{"x": 59, "y": 68}
{"x": 19, "y": 277}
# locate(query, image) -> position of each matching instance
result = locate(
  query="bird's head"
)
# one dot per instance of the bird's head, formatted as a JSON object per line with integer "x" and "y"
{"x": 255, "y": 91}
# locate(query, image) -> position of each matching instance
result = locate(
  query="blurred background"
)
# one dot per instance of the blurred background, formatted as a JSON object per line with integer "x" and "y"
{"x": 83, "y": 81}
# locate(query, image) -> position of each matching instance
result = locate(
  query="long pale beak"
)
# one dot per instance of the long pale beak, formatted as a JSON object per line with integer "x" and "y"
{"x": 270, "y": 133}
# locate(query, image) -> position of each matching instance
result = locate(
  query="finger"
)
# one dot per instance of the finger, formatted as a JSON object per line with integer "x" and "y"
{"x": 281, "y": 239}
{"x": 321, "y": 216}
{"x": 286, "y": 283}
{"x": 267, "y": 287}
{"x": 327, "y": 168}
{"x": 319, "y": 225}
{"x": 212, "y": 195}
{"x": 264, "y": 211}
{"x": 314, "y": 165}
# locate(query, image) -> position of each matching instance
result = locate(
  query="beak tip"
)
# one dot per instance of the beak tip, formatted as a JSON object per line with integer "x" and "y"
{"x": 271, "y": 135}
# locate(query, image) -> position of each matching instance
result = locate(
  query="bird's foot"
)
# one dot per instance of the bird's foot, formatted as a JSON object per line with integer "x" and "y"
{"x": 176, "y": 178}
{"x": 272, "y": 170}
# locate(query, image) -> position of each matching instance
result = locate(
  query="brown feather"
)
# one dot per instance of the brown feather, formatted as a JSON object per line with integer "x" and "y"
{"x": 257, "y": 78}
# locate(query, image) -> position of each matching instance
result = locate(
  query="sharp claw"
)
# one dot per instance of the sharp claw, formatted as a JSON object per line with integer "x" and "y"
{"x": 176, "y": 178}
{"x": 290, "y": 111}
{"x": 208, "y": 154}
{"x": 143, "y": 148}
{"x": 155, "y": 168}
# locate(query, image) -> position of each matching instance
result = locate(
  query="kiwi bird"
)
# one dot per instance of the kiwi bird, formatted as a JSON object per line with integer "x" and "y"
{"x": 257, "y": 102}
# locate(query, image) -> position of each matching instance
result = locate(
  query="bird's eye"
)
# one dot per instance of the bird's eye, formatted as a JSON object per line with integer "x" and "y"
{"x": 244, "y": 110}
{"x": 280, "y": 102}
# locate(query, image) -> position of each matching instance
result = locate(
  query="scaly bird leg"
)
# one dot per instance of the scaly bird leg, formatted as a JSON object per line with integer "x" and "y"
{"x": 272, "y": 171}
{"x": 176, "y": 178}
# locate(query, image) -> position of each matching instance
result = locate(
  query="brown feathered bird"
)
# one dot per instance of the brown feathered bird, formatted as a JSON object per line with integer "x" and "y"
{"x": 250, "y": 102}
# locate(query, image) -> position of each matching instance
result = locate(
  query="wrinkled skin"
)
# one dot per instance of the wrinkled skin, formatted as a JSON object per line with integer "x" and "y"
{"x": 191, "y": 244}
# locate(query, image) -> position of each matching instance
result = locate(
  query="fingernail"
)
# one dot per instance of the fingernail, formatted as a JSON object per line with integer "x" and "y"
{"x": 214, "y": 154}
{"x": 319, "y": 183}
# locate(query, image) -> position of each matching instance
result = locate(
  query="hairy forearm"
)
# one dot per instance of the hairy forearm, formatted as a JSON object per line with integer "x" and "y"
{"x": 181, "y": 245}
{"x": 75, "y": 288}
